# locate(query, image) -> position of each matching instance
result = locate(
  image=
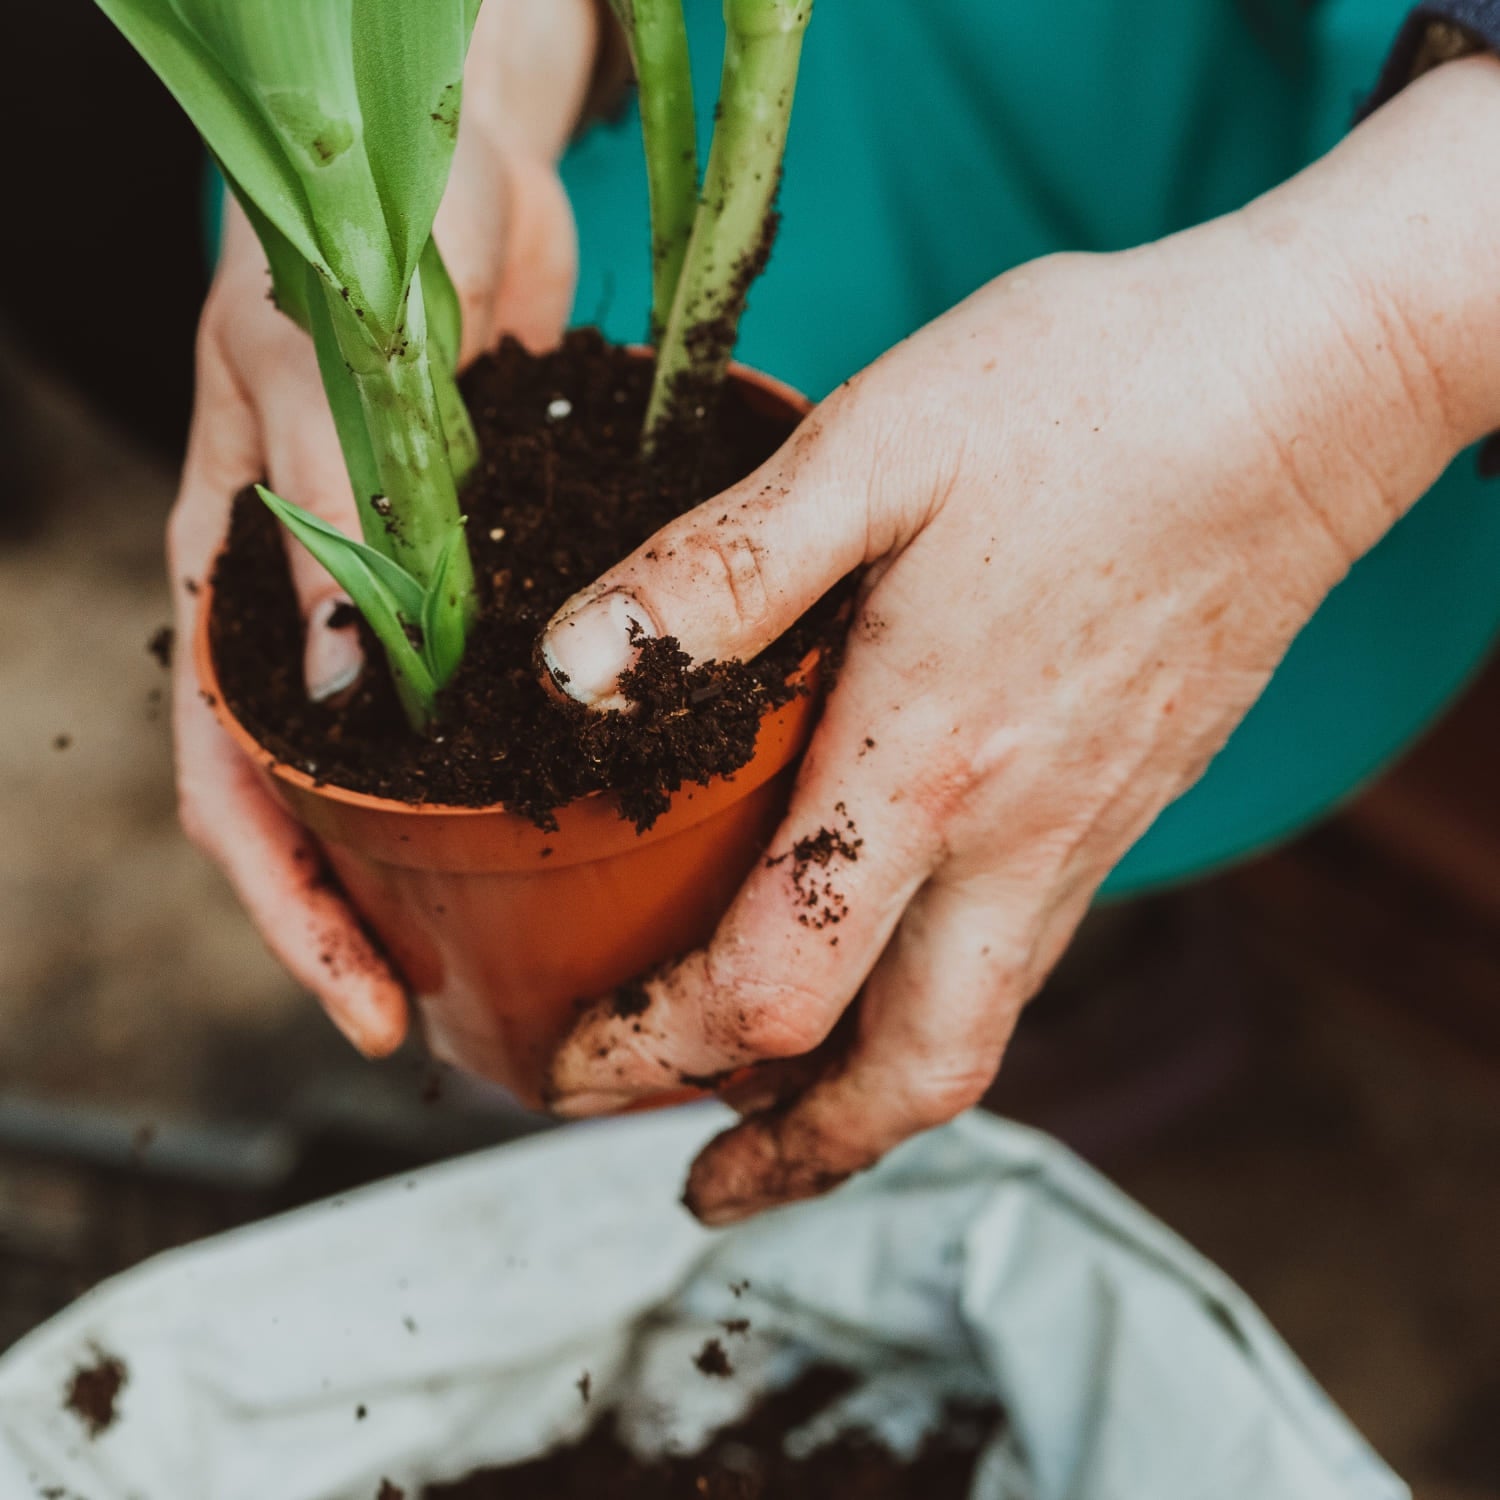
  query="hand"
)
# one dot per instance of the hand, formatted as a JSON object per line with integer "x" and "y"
{"x": 507, "y": 235}
{"x": 1095, "y": 502}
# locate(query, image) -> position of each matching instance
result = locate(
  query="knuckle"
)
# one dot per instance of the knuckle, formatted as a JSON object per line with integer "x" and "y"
{"x": 763, "y": 1018}
{"x": 743, "y": 567}
{"x": 197, "y": 828}
{"x": 210, "y": 344}
{"x": 178, "y": 524}
{"x": 786, "y": 1025}
{"x": 938, "y": 1095}
{"x": 942, "y": 787}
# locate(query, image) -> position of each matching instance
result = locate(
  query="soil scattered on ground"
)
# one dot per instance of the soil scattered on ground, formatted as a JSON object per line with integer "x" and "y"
{"x": 746, "y": 1462}
{"x": 557, "y": 500}
{"x": 94, "y": 1390}
{"x": 161, "y": 643}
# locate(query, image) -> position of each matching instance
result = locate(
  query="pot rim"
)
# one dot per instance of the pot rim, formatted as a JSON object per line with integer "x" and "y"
{"x": 803, "y": 676}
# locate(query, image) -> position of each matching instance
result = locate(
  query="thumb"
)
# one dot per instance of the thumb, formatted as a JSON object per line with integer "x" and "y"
{"x": 725, "y": 579}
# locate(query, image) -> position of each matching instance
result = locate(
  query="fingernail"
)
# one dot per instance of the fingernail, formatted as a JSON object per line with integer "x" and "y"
{"x": 333, "y": 660}
{"x": 586, "y": 651}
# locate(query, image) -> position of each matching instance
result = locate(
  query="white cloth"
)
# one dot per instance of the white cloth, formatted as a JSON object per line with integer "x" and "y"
{"x": 459, "y": 1308}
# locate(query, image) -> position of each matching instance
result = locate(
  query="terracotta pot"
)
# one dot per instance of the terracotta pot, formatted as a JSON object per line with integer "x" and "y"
{"x": 501, "y": 929}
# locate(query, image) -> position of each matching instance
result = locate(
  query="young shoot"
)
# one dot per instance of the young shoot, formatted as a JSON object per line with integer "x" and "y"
{"x": 334, "y": 123}
{"x": 734, "y": 222}
{"x": 656, "y": 34}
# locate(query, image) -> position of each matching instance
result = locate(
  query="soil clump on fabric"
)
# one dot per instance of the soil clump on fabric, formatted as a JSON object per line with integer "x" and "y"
{"x": 94, "y": 1390}
{"x": 747, "y": 1461}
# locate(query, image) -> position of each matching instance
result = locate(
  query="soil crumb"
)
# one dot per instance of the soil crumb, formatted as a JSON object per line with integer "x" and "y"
{"x": 94, "y": 1390}
{"x": 630, "y": 1000}
{"x": 748, "y": 1461}
{"x": 62, "y": 741}
{"x": 388, "y": 1491}
{"x": 161, "y": 643}
{"x": 555, "y": 502}
{"x": 824, "y": 905}
{"x": 712, "y": 1361}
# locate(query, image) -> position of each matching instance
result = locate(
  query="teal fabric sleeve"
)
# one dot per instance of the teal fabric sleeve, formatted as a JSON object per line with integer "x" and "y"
{"x": 939, "y": 142}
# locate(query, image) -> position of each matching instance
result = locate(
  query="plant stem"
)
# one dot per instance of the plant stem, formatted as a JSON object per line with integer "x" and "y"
{"x": 458, "y": 426}
{"x": 734, "y": 223}
{"x": 657, "y": 36}
{"x": 401, "y": 394}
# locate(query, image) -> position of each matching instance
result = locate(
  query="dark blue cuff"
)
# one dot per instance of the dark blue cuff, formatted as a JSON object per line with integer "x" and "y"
{"x": 1436, "y": 32}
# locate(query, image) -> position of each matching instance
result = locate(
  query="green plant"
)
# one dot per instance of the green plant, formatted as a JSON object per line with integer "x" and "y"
{"x": 706, "y": 253}
{"x": 334, "y": 123}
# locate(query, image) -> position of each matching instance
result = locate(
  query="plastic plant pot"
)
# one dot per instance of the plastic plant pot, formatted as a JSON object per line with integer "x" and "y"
{"x": 501, "y": 929}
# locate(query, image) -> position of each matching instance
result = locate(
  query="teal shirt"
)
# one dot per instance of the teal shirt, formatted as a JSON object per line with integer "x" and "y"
{"x": 939, "y": 142}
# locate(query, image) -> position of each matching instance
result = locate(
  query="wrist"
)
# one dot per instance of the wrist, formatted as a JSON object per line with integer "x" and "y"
{"x": 1375, "y": 276}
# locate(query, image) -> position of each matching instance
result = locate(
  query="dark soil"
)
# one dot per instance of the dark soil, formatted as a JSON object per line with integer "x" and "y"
{"x": 160, "y": 645}
{"x": 557, "y": 501}
{"x": 93, "y": 1391}
{"x": 746, "y": 1462}
{"x": 812, "y": 857}
{"x": 711, "y": 1360}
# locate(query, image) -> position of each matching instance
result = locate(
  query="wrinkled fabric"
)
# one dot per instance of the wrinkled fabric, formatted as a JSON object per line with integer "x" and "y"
{"x": 460, "y": 1307}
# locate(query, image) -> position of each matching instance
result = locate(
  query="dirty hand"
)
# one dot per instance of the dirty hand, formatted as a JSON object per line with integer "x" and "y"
{"x": 1095, "y": 503}
{"x": 507, "y": 235}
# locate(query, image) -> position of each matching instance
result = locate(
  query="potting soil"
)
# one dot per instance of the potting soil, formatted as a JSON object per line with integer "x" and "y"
{"x": 561, "y": 494}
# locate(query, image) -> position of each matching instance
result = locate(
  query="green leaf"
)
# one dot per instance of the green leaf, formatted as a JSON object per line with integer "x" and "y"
{"x": 295, "y": 62}
{"x": 445, "y": 340}
{"x": 409, "y": 68}
{"x": 389, "y": 599}
{"x": 225, "y": 115}
{"x": 339, "y": 553}
{"x": 445, "y": 315}
{"x": 348, "y": 410}
{"x": 444, "y": 623}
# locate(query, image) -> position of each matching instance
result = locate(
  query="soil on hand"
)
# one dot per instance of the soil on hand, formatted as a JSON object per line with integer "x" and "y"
{"x": 93, "y": 1391}
{"x": 747, "y": 1462}
{"x": 561, "y": 495}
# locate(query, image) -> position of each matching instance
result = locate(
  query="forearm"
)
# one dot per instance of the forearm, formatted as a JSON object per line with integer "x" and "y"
{"x": 530, "y": 67}
{"x": 1387, "y": 256}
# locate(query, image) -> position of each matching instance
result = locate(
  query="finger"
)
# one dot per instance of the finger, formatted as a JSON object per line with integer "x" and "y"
{"x": 279, "y": 875}
{"x": 933, "y": 1023}
{"x": 507, "y": 233}
{"x": 771, "y": 1085}
{"x": 725, "y": 579}
{"x": 533, "y": 296}
{"x": 225, "y": 809}
{"x": 801, "y": 936}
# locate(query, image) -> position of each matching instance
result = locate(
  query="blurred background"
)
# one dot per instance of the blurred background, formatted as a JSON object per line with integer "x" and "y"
{"x": 1296, "y": 1064}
